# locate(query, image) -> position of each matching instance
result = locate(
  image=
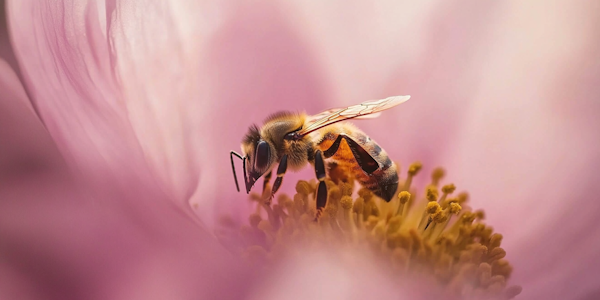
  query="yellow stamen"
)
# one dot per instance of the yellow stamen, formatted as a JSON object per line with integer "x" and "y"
{"x": 404, "y": 197}
{"x": 432, "y": 193}
{"x": 303, "y": 187}
{"x": 437, "y": 175}
{"x": 413, "y": 170}
{"x": 430, "y": 236}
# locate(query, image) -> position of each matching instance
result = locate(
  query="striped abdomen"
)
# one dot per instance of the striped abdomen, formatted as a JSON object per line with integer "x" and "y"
{"x": 383, "y": 181}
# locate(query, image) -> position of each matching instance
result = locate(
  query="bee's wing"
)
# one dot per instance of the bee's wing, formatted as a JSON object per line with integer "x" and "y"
{"x": 330, "y": 112}
{"x": 365, "y": 110}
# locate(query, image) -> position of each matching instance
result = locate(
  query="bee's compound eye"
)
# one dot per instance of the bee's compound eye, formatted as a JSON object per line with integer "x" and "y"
{"x": 292, "y": 136}
{"x": 261, "y": 160}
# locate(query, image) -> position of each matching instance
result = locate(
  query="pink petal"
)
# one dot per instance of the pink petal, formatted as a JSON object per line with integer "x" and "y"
{"x": 158, "y": 53}
{"x": 529, "y": 151}
{"x": 339, "y": 275}
{"x": 25, "y": 146}
{"x": 60, "y": 241}
{"x": 478, "y": 89}
{"x": 6, "y": 52}
{"x": 81, "y": 78}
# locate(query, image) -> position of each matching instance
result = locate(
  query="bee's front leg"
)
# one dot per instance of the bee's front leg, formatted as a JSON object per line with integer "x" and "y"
{"x": 280, "y": 172}
{"x": 322, "y": 190}
{"x": 266, "y": 183}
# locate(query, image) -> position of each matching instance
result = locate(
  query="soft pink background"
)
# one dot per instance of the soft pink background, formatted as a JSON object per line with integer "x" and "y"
{"x": 129, "y": 109}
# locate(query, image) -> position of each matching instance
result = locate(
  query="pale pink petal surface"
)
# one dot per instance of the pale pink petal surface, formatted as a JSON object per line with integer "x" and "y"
{"x": 157, "y": 52}
{"x": 116, "y": 94}
{"x": 339, "y": 275}
{"x": 531, "y": 142}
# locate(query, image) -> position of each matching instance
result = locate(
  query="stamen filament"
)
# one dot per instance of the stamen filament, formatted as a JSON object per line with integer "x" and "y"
{"x": 421, "y": 237}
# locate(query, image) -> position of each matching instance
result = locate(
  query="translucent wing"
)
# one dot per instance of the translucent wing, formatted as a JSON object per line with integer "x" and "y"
{"x": 365, "y": 110}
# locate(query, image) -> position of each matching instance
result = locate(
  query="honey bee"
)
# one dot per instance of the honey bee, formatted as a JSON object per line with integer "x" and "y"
{"x": 295, "y": 139}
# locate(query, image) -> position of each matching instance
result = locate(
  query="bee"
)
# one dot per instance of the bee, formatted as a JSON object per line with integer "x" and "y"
{"x": 292, "y": 140}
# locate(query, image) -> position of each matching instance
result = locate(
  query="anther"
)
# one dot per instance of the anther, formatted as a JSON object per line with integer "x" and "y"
{"x": 436, "y": 175}
{"x": 448, "y": 188}
{"x": 346, "y": 202}
{"x": 440, "y": 217}
{"x": 462, "y": 197}
{"x": 479, "y": 214}
{"x": 432, "y": 207}
{"x": 468, "y": 218}
{"x": 496, "y": 254}
{"x": 432, "y": 194}
{"x": 358, "y": 206}
{"x": 373, "y": 208}
{"x": 413, "y": 170}
{"x": 495, "y": 240}
{"x": 300, "y": 203}
{"x": 455, "y": 208}
{"x": 303, "y": 187}
{"x": 365, "y": 194}
{"x": 404, "y": 197}
{"x": 346, "y": 188}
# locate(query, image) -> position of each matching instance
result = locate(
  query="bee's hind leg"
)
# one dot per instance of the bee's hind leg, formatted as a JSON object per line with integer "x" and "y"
{"x": 322, "y": 189}
{"x": 363, "y": 158}
{"x": 280, "y": 172}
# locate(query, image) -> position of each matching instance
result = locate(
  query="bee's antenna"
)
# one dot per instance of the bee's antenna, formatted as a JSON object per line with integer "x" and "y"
{"x": 231, "y": 154}
{"x": 246, "y": 176}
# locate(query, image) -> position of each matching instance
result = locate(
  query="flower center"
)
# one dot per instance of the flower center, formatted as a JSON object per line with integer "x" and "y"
{"x": 435, "y": 235}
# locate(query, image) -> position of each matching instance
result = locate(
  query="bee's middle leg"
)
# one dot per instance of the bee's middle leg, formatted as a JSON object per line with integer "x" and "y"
{"x": 280, "y": 172}
{"x": 322, "y": 190}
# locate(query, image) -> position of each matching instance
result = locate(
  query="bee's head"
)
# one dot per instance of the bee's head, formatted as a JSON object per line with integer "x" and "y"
{"x": 264, "y": 147}
{"x": 260, "y": 156}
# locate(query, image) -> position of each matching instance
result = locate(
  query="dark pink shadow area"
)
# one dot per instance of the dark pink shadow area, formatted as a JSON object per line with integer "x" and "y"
{"x": 6, "y": 52}
{"x": 60, "y": 240}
